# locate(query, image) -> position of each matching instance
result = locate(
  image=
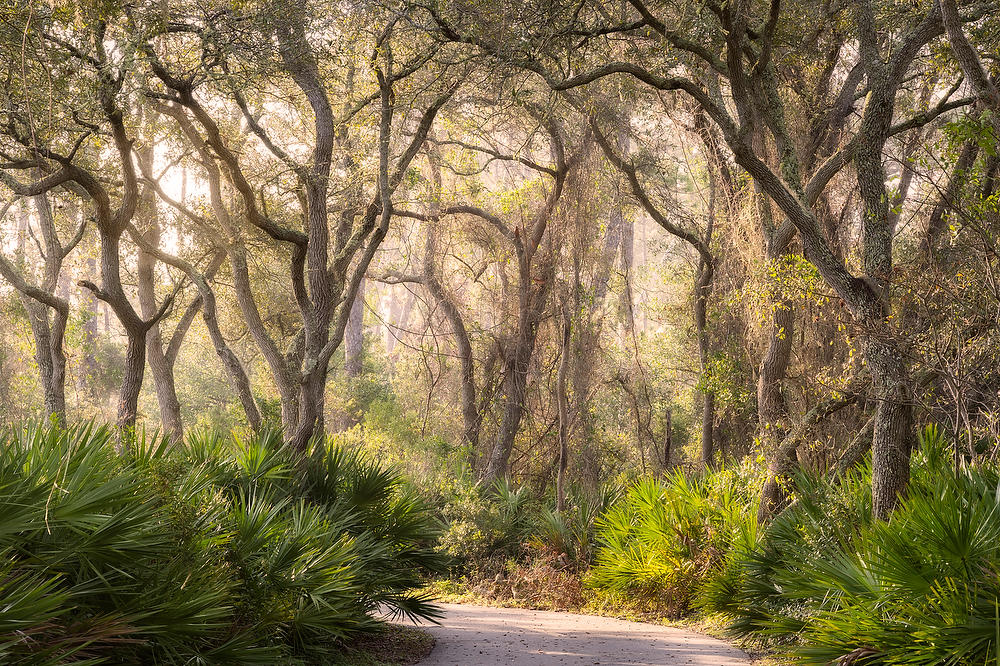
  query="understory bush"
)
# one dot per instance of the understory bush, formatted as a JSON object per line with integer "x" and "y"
{"x": 507, "y": 545}
{"x": 823, "y": 583}
{"x": 921, "y": 588}
{"x": 668, "y": 541}
{"x": 486, "y": 526}
{"x": 221, "y": 550}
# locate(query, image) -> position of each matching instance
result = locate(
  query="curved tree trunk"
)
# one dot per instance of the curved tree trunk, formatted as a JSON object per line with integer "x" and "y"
{"x": 47, "y": 334}
{"x": 209, "y": 312}
{"x": 280, "y": 373}
{"x": 160, "y": 368}
{"x": 515, "y": 393}
{"x": 48, "y": 330}
{"x": 702, "y": 287}
{"x": 471, "y": 416}
{"x": 774, "y": 498}
{"x": 231, "y": 363}
{"x": 772, "y": 408}
{"x": 517, "y": 362}
{"x": 233, "y": 366}
{"x": 128, "y": 396}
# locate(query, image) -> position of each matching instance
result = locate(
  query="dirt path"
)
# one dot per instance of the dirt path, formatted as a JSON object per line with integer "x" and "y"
{"x": 478, "y": 636}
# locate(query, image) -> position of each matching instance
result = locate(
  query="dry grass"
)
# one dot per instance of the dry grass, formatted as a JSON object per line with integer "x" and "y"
{"x": 395, "y": 646}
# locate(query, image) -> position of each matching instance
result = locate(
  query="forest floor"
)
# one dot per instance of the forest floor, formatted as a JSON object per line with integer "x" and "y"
{"x": 510, "y": 636}
{"x": 397, "y": 645}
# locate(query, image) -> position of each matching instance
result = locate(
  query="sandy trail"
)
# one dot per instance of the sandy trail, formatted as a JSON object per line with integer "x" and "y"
{"x": 479, "y": 636}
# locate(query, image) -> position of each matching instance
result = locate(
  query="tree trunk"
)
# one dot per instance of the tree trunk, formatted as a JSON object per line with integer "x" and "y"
{"x": 628, "y": 260}
{"x": 92, "y": 309}
{"x": 773, "y": 495}
{"x": 51, "y": 362}
{"x": 855, "y": 451}
{"x": 160, "y": 367}
{"x": 668, "y": 437}
{"x": 702, "y": 287}
{"x": 397, "y": 327}
{"x": 708, "y": 430}
{"x": 894, "y": 435}
{"x": 532, "y": 294}
{"x": 58, "y": 355}
{"x": 232, "y": 364}
{"x": 702, "y": 290}
{"x": 514, "y": 391}
{"x": 471, "y": 418}
{"x": 288, "y": 391}
{"x": 207, "y": 303}
{"x": 39, "y": 299}
{"x": 618, "y": 226}
{"x": 772, "y": 408}
{"x": 135, "y": 364}
{"x": 937, "y": 222}
{"x": 563, "y": 400}
{"x": 354, "y": 335}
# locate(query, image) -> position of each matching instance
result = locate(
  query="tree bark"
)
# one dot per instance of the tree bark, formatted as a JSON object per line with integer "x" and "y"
{"x": 471, "y": 416}
{"x": 969, "y": 60}
{"x": 937, "y": 222}
{"x": 703, "y": 285}
{"x": 354, "y": 336}
{"x": 517, "y": 362}
{"x": 92, "y": 313}
{"x": 773, "y": 496}
{"x": 128, "y": 396}
{"x": 772, "y": 408}
{"x": 534, "y": 284}
{"x": 563, "y": 404}
{"x": 48, "y": 330}
{"x": 668, "y": 437}
{"x": 47, "y": 333}
{"x": 280, "y": 372}
{"x": 209, "y": 312}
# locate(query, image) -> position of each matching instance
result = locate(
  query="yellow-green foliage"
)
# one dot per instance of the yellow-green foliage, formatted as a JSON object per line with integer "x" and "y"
{"x": 666, "y": 538}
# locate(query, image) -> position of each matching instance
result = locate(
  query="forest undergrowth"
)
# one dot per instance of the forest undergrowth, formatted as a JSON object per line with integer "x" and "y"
{"x": 231, "y": 549}
{"x": 222, "y": 550}
{"x": 822, "y": 583}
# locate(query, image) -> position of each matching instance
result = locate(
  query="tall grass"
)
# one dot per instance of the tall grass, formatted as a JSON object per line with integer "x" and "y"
{"x": 224, "y": 550}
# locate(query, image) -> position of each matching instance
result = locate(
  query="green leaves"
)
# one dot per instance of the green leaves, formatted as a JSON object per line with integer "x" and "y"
{"x": 666, "y": 542}
{"x": 921, "y": 588}
{"x": 221, "y": 551}
{"x": 978, "y": 128}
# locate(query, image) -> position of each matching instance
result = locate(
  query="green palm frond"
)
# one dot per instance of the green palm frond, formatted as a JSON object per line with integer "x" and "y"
{"x": 222, "y": 550}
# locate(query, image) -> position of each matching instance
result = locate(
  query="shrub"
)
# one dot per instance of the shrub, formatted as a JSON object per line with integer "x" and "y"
{"x": 223, "y": 551}
{"x": 921, "y": 588}
{"x": 666, "y": 540}
{"x": 569, "y": 537}
{"x": 487, "y": 526}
